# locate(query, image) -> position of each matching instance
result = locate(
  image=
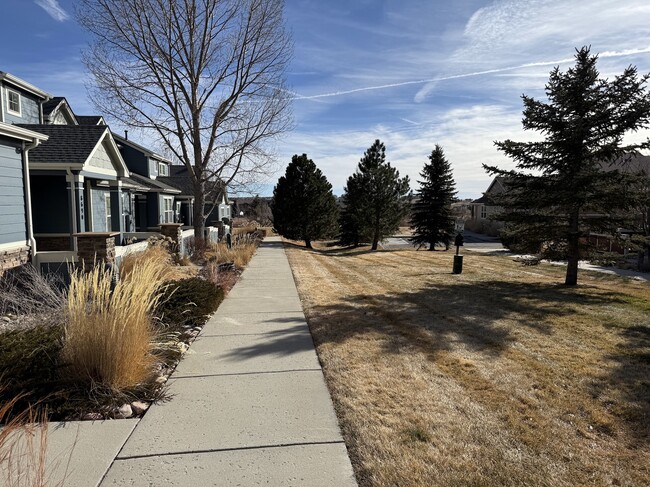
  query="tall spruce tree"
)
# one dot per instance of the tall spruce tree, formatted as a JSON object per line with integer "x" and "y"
{"x": 374, "y": 200}
{"x": 431, "y": 217}
{"x": 559, "y": 191}
{"x": 303, "y": 205}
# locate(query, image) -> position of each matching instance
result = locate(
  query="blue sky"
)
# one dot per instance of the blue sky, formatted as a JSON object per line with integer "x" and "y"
{"x": 413, "y": 73}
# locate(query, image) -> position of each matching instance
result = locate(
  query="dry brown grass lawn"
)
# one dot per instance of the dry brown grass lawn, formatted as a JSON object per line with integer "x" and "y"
{"x": 499, "y": 376}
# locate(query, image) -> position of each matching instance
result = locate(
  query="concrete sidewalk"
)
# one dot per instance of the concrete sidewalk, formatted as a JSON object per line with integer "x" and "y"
{"x": 249, "y": 407}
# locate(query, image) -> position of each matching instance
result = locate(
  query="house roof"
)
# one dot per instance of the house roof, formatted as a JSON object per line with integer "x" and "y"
{"x": 20, "y": 83}
{"x": 131, "y": 183}
{"x": 483, "y": 199}
{"x": 180, "y": 178}
{"x": 154, "y": 184}
{"x": 90, "y": 120}
{"x": 630, "y": 163}
{"x": 71, "y": 144}
{"x": 67, "y": 143}
{"x": 55, "y": 104}
{"x": 20, "y": 133}
{"x": 50, "y": 105}
{"x": 122, "y": 140}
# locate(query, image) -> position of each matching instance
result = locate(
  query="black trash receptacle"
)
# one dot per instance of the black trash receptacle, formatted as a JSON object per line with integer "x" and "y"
{"x": 458, "y": 264}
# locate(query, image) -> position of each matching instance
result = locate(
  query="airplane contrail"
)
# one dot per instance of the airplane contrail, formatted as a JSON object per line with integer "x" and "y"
{"x": 606, "y": 54}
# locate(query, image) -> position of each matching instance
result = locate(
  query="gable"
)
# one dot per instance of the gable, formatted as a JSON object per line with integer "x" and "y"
{"x": 101, "y": 158}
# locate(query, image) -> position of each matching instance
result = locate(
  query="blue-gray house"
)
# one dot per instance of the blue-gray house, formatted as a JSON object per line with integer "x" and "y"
{"x": 18, "y": 101}
{"x": 78, "y": 185}
{"x": 157, "y": 202}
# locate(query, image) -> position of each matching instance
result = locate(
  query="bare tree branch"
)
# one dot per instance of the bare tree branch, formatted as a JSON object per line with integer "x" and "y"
{"x": 205, "y": 76}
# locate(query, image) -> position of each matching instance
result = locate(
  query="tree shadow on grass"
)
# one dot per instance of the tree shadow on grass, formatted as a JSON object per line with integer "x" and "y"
{"x": 631, "y": 377}
{"x": 485, "y": 318}
{"x": 467, "y": 313}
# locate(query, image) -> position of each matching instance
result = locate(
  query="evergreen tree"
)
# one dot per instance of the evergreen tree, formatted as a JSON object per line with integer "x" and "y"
{"x": 303, "y": 205}
{"x": 374, "y": 200}
{"x": 559, "y": 190}
{"x": 431, "y": 216}
{"x": 351, "y": 212}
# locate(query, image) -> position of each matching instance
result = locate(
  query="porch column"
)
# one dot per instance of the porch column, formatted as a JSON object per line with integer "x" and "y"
{"x": 96, "y": 248}
{"x": 117, "y": 208}
{"x": 77, "y": 205}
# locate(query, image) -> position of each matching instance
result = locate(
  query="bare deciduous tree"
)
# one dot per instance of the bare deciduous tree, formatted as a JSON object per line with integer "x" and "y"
{"x": 205, "y": 76}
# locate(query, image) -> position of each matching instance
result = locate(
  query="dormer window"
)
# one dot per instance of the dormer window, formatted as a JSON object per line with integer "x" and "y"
{"x": 163, "y": 169}
{"x": 13, "y": 102}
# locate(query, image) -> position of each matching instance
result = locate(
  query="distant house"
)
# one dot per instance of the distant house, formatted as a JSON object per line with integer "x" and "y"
{"x": 255, "y": 208}
{"x": 156, "y": 201}
{"x": 483, "y": 207}
{"x": 56, "y": 111}
{"x": 217, "y": 205}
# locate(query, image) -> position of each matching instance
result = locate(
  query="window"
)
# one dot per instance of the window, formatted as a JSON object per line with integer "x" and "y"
{"x": 107, "y": 203}
{"x": 168, "y": 209}
{"x": 483, "y": 211}
{"x": 13, "y": 102}
{"x": 163, "y": 170}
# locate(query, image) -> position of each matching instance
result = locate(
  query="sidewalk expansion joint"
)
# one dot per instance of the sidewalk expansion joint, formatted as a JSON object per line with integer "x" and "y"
{"x": 245, "y": 373}
{"x": 219, "y": 450}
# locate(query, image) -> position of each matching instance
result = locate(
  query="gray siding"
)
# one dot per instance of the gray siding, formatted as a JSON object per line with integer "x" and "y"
{"x": 12, "y": 198}
{"x": 98, "y": 207}
{"x": 30, "y": 111}
{"x": 101, "y": 159}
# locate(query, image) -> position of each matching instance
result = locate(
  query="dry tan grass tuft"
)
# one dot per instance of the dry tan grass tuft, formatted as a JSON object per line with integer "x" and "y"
{"x": 108, "y": 336}
{"x": 494, "y": 377}
{"x": 239, "y": 254}
{"x": 23, "y": 448}
{"x": 158, "y": 256}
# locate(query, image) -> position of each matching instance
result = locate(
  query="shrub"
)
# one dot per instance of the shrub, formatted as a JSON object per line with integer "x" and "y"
{"x": 108, "y": 336}
{"x": 188, "y": 302}
{"x": 29, "y": 364}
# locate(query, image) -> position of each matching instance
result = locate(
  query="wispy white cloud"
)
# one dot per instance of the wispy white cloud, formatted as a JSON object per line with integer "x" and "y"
{"x": 420, "y": 96}
{"x": 53, "y": 9}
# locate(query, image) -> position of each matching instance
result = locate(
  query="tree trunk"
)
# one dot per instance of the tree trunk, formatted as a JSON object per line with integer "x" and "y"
{"x": 199, "y": 216}
{"x": 308, "y": 243}
{"x": 573, "y": 251}
{"x": 375, "y": 241}
{"x": 375, "y": 237}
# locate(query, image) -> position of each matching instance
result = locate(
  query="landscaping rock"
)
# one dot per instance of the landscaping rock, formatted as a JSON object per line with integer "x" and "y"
{"x": 124, "y": 411}
{"x": 139, "y": 407}
{"x": 161, "y": 380}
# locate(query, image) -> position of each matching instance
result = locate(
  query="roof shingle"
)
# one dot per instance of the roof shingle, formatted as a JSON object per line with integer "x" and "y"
{"x": 70, "y": 144}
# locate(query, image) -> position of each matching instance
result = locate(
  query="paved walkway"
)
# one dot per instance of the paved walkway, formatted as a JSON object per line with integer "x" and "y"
{"x": 250, "y": 404}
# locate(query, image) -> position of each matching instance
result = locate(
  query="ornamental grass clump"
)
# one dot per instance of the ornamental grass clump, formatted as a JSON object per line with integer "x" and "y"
{"x": 239, "y": 254}
{"x": 109, "y": 334}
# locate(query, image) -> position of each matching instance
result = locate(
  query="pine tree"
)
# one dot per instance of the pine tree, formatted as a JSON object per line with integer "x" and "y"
{"x": 431, "y": 217}
{"x": 303, "y": 205}
{"x": 559, "y": 191}
{"x": 374, "y": 200}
